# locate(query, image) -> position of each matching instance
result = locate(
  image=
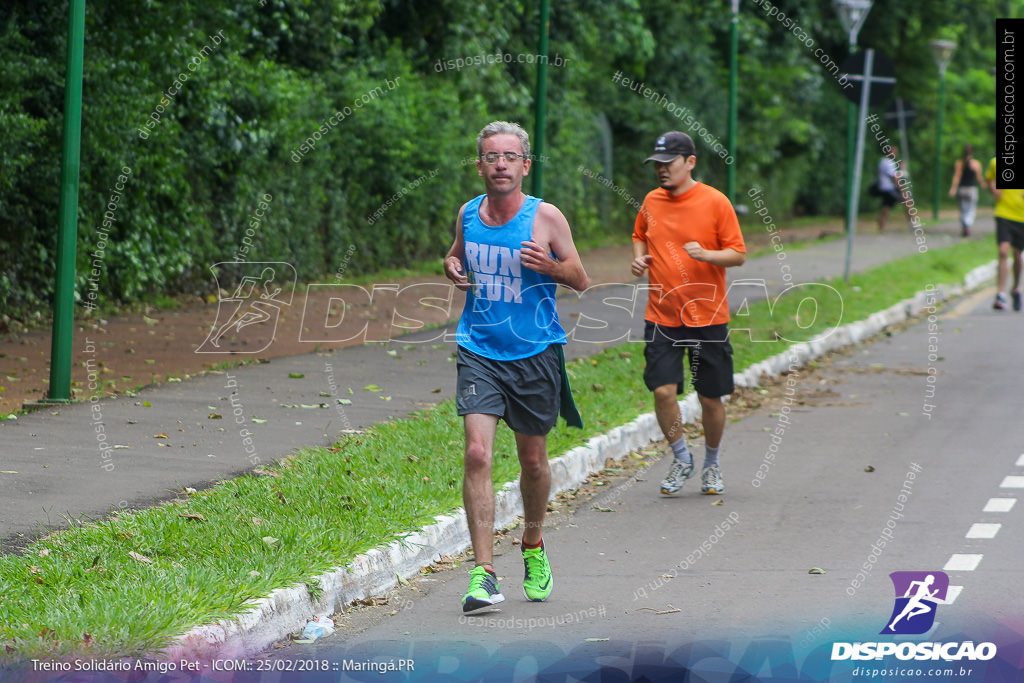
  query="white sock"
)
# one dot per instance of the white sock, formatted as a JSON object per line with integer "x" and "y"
{"x": 681, "y": 452}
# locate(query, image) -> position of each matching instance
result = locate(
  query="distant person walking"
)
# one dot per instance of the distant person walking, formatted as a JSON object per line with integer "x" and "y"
{"x": 1009, "y": 214}
{"x": 685, "y": 236}
{"x": 510, "y": 251}
{"x": 966, "y": 176}
{"x": 889, "y": 173}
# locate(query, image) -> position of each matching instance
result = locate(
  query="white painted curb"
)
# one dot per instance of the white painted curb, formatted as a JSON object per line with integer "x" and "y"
{"x": 287, "y": 610}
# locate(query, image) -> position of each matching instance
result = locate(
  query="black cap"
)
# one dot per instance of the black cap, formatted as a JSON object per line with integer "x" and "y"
{"x": 671, "y": 145}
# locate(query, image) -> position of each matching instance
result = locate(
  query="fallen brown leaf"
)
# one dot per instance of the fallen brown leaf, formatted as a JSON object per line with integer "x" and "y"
{"x": 266, "y": 473}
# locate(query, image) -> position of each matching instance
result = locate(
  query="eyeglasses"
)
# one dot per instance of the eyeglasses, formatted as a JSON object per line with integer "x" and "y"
{"x": 510, "y": 157}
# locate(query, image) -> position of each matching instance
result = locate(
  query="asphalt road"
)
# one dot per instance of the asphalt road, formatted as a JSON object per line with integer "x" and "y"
{"x": 94, "y": 458}
{"x": 651, "y": 585}
{"x": 635, "y": 593}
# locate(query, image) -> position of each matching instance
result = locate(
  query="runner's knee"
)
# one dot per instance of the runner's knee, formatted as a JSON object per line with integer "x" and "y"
{"x": 477, "y": 456}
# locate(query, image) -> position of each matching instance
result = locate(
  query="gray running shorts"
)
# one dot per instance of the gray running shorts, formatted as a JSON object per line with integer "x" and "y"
{"x": 525, "y": 392}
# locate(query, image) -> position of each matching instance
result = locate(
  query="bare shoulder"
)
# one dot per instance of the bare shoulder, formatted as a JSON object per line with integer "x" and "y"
{"x": 458, "y": 218}
{"x": 550, "y": 212}
{"x": 551, "y": 220}
{"x": 551, "y": 230}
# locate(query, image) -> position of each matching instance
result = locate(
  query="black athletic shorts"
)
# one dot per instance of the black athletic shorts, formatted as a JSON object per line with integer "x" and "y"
{"x": 1010, "y": 231}
{"x": 525, "y": 392}
{"x": 891, "y": 198}
{"x": 710, "y": 358}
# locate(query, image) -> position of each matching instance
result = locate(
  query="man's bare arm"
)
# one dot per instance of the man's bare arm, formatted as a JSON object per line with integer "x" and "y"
{"x": 552, "y": 235}
{"x": 453, "y": 269}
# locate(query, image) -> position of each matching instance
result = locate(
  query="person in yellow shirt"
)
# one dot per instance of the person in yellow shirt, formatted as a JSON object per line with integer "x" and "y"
{"x": 1009, "y": 234}
{"x": 685, "y": 236}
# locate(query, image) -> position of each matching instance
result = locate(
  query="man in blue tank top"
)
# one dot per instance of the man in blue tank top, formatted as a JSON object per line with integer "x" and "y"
{"x": 510, "y": 253}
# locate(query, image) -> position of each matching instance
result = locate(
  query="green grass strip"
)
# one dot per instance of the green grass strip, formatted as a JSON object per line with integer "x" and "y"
{"x": 329, "y": 504}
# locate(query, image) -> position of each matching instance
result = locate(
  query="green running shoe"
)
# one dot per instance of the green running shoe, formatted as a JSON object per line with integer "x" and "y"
{"x": 483, "y": 591}
{"x": 537, "y": 581}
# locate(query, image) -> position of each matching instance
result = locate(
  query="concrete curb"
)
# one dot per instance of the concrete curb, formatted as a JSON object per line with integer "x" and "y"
{"x": 287, "y": 610}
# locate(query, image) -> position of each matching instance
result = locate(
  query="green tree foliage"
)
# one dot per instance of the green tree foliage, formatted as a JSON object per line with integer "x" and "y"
{"x": 358, "y": 118}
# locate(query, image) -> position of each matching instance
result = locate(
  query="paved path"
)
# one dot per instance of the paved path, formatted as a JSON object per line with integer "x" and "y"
{"x": 621, "y": 575}
{"x": 66, "y": 464}
{"x": 656, "y": 585}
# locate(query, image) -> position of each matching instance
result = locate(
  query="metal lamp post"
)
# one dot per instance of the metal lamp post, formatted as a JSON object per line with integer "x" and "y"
{"x": 541, "y": 102}
{"x": 852, "y": 14}
{"x": 942, "y": 52}
{"x": 67, "y": 237}
{"x": 733, "y": 78}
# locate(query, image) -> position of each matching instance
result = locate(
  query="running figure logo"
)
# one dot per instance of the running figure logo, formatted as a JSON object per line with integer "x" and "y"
{"x": 247, "y": 319}
{"x": 917, "y": 596}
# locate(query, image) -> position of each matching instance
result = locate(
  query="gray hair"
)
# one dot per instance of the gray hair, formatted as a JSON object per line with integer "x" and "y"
{"x": 503, "y": 128}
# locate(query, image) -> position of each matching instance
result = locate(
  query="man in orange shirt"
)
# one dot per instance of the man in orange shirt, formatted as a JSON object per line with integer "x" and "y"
{"x": 685, "y": 236}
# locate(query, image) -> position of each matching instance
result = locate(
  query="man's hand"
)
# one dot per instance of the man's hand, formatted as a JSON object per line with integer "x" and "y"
{"x": 695, "y": 251}
{"x": 640, "y": 264}
{"x": 454, "y": 272}
{"x": 536, "y": 258}
{"x": 723, "y": 258}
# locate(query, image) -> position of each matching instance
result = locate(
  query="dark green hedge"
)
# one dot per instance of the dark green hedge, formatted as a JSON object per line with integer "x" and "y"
{"x": 272, "y": 73}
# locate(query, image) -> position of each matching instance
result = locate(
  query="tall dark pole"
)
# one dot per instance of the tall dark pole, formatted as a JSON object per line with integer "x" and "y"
{"x": 852, "y": 14}
{"x": 858, "y": 163}
{"x": 541, "y": 103}
{"x": 734, "y": 41}
{"x": 942, "y": 52}
{"x": 67, "y": 237}
{"x": 851, "y": 135}
{"x": 938, "y": 144}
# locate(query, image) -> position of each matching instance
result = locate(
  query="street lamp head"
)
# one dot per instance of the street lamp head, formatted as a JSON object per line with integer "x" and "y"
{"x": 852, "y": 14}
{"x": 942, "y": 52}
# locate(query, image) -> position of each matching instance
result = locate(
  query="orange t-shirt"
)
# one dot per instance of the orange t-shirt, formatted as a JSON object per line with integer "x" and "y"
{"x": 685, "y": 291}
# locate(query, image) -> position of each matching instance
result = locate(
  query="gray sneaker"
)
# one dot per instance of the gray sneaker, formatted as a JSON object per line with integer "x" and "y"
{"x": 711, "y": 481}
{"x": 677, "y": 476}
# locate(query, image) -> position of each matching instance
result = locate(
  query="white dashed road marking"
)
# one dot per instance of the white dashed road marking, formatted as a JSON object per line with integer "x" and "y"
{"x": 962, "y": 563}
{"x": 999, "y": 505}
{"x": 978, "y": 530}
{"x": 1012, "y": 482}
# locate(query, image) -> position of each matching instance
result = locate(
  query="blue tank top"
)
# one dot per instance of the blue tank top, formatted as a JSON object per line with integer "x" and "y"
{"x": 510, "y": 310}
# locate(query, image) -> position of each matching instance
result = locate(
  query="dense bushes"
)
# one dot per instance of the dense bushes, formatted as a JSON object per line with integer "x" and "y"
{"x": 390, "y": 125}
